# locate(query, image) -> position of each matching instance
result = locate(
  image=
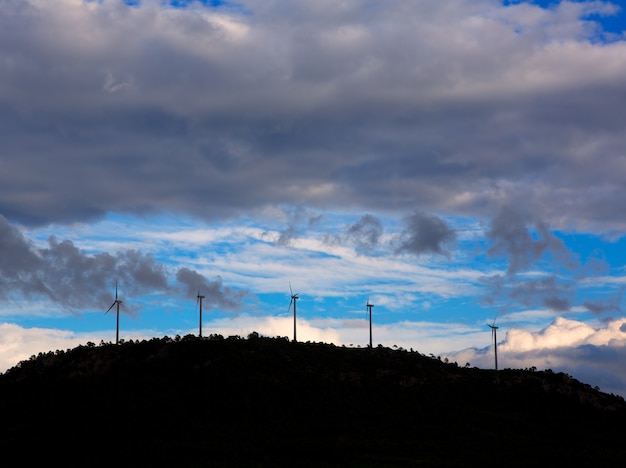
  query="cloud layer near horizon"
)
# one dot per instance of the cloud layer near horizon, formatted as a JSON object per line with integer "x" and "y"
{"x": 461, "y": 105}
{"x": 590, "y": 354}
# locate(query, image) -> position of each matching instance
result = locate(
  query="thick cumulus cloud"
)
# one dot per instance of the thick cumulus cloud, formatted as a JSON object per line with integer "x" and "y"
{"x": 592, "y": 354}
{"x": 458, "y": 106}
{"x": 75, "y": 279}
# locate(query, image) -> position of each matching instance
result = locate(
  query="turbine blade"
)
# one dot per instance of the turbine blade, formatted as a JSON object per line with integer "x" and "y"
{"x": 110, "y": 308}
{"x": 290, "y": 290}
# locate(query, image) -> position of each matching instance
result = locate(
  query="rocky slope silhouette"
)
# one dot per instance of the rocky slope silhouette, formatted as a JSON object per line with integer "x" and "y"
{"x": 264, "y": 402}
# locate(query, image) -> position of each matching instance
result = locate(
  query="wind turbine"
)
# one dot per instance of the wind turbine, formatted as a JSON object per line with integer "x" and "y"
{"x": 294, "y": 298}
{"x": 116, "y": 303}
{"x": 199, "y": 302}
{"x": 495, "y": 339}
{"x": 369, "y": 309}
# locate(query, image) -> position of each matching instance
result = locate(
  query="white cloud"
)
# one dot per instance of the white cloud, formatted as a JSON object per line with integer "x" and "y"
{"x": 560, "y": 333}
{"x": 592, "y": 354}
{"x": 19, "y": 344}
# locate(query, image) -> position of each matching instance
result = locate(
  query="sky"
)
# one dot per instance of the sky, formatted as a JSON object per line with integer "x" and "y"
{"x": 457, "y": 163}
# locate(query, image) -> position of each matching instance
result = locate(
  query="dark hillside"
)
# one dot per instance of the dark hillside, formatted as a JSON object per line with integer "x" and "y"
{"x": 270, "y": 402}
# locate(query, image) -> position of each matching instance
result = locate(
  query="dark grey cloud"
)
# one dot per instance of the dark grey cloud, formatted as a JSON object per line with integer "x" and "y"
{"x": 74, "y": 279}
{"x": 558, "y": 304}
{"x": 18, "y": 257}
{"x": 608, "y": 306}
{"x": 425, "y": 234}
{"x": 525, "y": 243}
{"x": 547, "y": 292}
{"x": 216, "y": 295}
{"x": 287, "y": 235}
{"x": 365, "y": 233}
{"x": 299, "y": 220}
{"x": 420, "y": 234}
{"x": 506, "y": 291}
{"x": 523, "y": 246}
{"x": 215, "y": 112}
{"x": 69, "y": 276}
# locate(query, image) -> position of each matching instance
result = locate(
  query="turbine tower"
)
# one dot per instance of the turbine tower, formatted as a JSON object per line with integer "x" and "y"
{"x": 369, "y": 309}
{"x": 116, "y": 303}
{"x": 495, "y": 339}
{"x": 294, "y": 298}
{"x": 199, "y": 302}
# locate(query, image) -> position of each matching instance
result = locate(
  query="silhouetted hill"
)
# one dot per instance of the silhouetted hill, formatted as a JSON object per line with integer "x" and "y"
{"x": 270, "y": 402}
